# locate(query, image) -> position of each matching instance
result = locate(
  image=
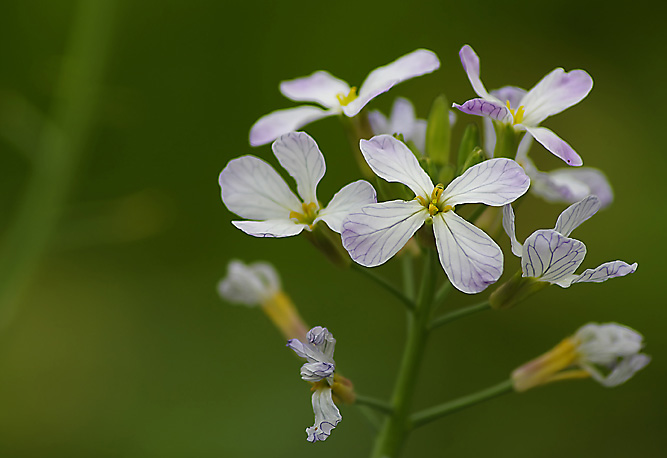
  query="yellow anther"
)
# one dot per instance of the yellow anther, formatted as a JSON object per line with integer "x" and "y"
{"x": 447, "y": 208}
{"x": 517, "y": 114}
{"x": 345, "y": 99}
{"x": 422, "y": 201}
{"x": 307, "y": 216}
{"x": 437, "y": 192}
{"x": 432, "y": 209}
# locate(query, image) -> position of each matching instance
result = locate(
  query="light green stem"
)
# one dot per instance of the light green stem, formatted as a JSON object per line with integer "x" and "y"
{"x": 460, "y": 313}
{"x": 386, "y": 285}
{"x": 376, "y": 404}
{"x": 408, "y": 276}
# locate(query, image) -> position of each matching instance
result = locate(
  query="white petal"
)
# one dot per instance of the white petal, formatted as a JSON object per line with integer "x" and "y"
{"x": 391, "y": 160}
{"x": 314, "y": 372}
{"x": 494, "y": 182}
{"x": 323, "y": 341}
{"x": 252, "y": 189}
{"x": 320, "y": 87}
{"x": 279, "y": 122}
{"x": 327, "y": 415}
{"x": 623, "y": 371}
{"x": 512, "y": 94}
{"x": 510, "y": 229}
{"x": 568, "y": 185}
{"x": 351, "y": 198}
{"x": 402, "y": 118}
{"x": 551, "y": 257}
{"x": 379, "y": 122}
{"x": 576, "y": 214}
{"x": 471, "y": 259}
{"x": 470, "y": 62}
{"x": 270, "y": 228}
{"x": 416, "y": 63}
{"x": 298, "y": 153}
{"x": 556, "y": 145}
{"x": 418, "y": 136}
{"x": 376, "y": 232}
{"x": 604, "y": 343}
{"x": 249, "y": 284}
{"x": 606, "y": 271}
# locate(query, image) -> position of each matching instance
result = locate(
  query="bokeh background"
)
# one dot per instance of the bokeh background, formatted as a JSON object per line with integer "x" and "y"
{"x": 118, "y": 345}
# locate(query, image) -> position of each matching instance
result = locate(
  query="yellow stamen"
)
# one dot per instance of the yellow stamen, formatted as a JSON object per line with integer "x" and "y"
{"x": 437, "y": 192}
{"x": 432, "y": 209}
{"x": 307, "y": 216}
{"x": 517, "y": 114}
{"x": 345, "y": 99}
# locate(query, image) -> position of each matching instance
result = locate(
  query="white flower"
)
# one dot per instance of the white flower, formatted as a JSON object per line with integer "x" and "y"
{"x": 470, "y": 258}
{"x": 336, "y": 95}
{"x": 549, "y": 255}
{"x": 252, "y": 189}
{"x": 319, "y": 369}
{"x": 249, "y": 284}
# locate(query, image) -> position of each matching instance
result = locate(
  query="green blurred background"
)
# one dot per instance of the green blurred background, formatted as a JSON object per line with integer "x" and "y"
{"x": 120, "y": 347}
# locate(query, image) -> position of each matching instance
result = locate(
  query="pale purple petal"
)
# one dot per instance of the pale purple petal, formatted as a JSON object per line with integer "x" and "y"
{"x": 555, "y": 145}
{"x": 416, "y": 63}
{"x": 576, "y": 214}
{"x": 349, "y": 199}
{"x": 606, "y": 271}
{"x": 391, "y": 160}
{"x": 550, "y": 256}
{"x": 494, "y": 182}
{"x": 379, "y": 122}
{"x": 320, "y": 87}
{"x": 298, "y": 153}
{"x": 512, "y": 94}
{"x": 402, "y": 118}
{"x": 471, "y": 259}
{"x": 271, "y": 227}
{"x": 252, "y": 189}
{"x": 327, "y": 415}
{"x": 323, "y": 341}
{"x": 376, "y": 232}
{"x": 470, "y": 62}
{"x": 271, "y": 126}
{"x": 418, "y": 136}
{"x": 314, "y": 372}
{"x": 554, "y": 93}
{"x": 510, "y": 230}
{"x": 568, "y": 185}
{"x": 482, "y": 107}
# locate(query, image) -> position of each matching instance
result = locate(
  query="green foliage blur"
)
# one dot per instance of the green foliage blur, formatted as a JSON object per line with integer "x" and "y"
{"x": 120, "y": 346}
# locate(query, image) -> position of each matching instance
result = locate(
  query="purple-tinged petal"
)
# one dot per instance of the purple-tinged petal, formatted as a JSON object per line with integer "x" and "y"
{"x": 327, "y": 415}
{"x": 402, "y": 118}
{"x": 471, "y": 259}
{"x": 606, "y": 271}
{"x": 569, "y": 185}
{"x": 418, "y": 136}
{"x": 252, "y": 189}
{"x": 320, "y": 87}
{"x": 271, "y": 126}
{"x": 379, "y": 122}
{"x": 489, "y": 137}
{"x": 349, "y": 199}
{"x": 314, "y": 372}
{"x": 550, "y": 256}
{"x": 482, "y": 107}
{"x": 270, "y": 228}
{"x": 376, "y": 232}
{"x": 556, "y": 145}
{"x": 298, "y": 153}
{"x": 494, "y": 182}
{"x": 510, "y": 229}
{"x": 512, "y": 94}
{"x": 391, "y": 160}
{"x": 554, "y": 93}
{"x": 323, "y": 341}
{"x": 576, "y": 214}
{"x": 416, "y": 63}
{"x": 470, "y": 62}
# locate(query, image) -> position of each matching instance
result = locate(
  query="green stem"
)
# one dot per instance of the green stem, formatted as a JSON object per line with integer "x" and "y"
{"x": 59, "y": 147}
{"x": 408, "y": 276}
{"x": 371, "y": 418}
{"x": 460, "y": 313}
{"x": 386, "y": 285}
{"x": 428, "y": 415}
{"x": 377, "y": 404}
{"x": 442, "y": 293}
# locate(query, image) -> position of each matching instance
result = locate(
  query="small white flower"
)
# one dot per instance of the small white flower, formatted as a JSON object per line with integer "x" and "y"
{"x": 249, "y": 284}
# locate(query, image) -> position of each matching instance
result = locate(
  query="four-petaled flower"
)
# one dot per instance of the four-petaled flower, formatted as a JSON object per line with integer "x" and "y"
{"x": 252, "y": 189}
{"x": 336, "y": 95}
{"x": 470, "y": 258}
{"x": 550, "y": 255}
{"x": 526, "y": 110}
{"x": 318, "y": 350}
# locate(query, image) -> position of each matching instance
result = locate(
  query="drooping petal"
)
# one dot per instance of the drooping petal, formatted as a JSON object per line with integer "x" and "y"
{"x": 554, "y": 93}
{"x": 482, "y": 107}
{"x": 510, "y": 229}
{"x": 550, "y": 256}
{"x": 606, "y": 271}
{"x": 556, "y": 145}
{"x": 471, "y": 259}
{"x": 494, "y": 182}
{"x": 470, "y": 62}
{"x": 351, "y": 198}
{"x": 252, "y": 189}
{"x": 320, "y": 87}
{"x": 391, "y": 160}
{"x": 298, "y": 153}
{"x": 569, "y": 185}
{"x": 416, "y": 63}
{"x": 376, "y": 232}
{"x": 576, "y": 214}
{"x": 271, "y": 227}
{"x": 622, "y": 372}
{"x": 271, "y": 126}
{"x": 314, "y": 372}
{"x": 327, "y": 415}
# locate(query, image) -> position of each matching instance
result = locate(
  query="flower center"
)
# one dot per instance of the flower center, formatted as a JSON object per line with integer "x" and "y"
{"x": 308, "y": 216}
{"x": 345, "y": 99}
{"x": 434, "y": 206}
{"x": 516, "y": 114}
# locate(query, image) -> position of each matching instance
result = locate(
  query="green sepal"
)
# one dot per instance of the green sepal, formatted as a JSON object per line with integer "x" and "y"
{"x": 438, "y": 131}
{"x": 469, "y": 142}
{"x": 506, "y": 140}
{"x": 515, "y": 290}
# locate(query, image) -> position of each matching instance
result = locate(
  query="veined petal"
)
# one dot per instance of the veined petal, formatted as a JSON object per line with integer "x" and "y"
{"x": 252, "y": 189}
{"x": 271, "y": 227}
{"x": 471, "y": 259}
{"x": 271, "y": 126}
{"x": 320, "y": 87}
{"x": 327, "y": 415}
{"x": 323, "y": 341}
{"x": 391, "y": 160}
{"x": 510, "y": 229}
{"x": 550, "y": 256}
{"x": 351, "y": 198}
{"x": 556, "y": 145}
{"x": 554, "y": 93}
{"x": 298, "y": 153}
{"x": 314, "y": 372}
{"x": 487, "y": 108}
{"x": 376, "y": 232}
{"x": 576, "y": 214}
{"x": 606, "y": 271}
{"x": 470, "y": 62}
{"x": 416, "y": 63}
{"x": 494, "y": 182}
{"x": 576, "y": 183}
